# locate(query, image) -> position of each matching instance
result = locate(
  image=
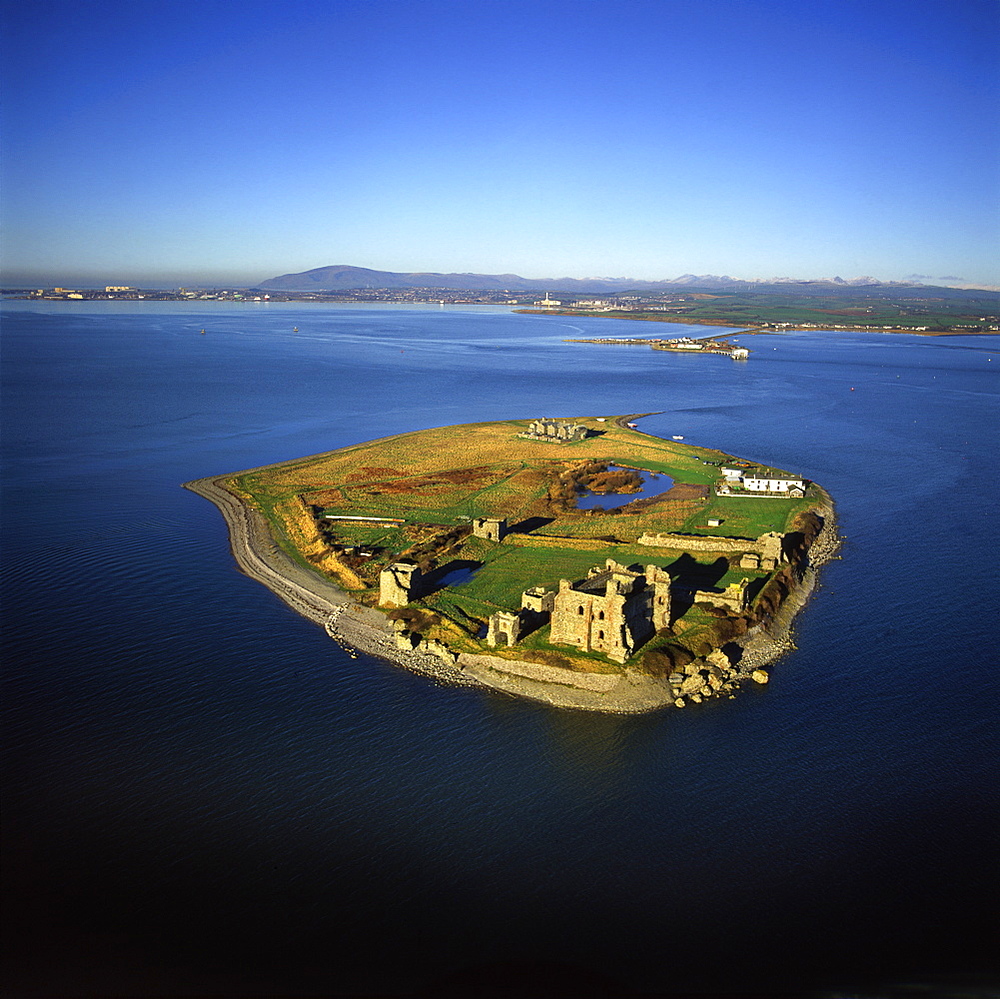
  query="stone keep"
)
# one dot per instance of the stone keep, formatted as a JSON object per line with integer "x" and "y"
{"x": 613, "y": 611}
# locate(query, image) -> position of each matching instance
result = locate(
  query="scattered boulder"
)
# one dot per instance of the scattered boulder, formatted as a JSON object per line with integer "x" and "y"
{"x": 440, "y": 650}
{"x": 719, "y": 659}
{"x": 759, "y": 676}
{"x": 693, "y": 684}
{"x": 405, "y": 640}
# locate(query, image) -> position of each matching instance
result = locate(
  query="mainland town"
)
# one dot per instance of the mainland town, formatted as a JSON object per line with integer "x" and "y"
{"x": 749, "y": 307}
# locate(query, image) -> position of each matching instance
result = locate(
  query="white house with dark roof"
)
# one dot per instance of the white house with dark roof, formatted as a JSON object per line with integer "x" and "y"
{"x": 765, "y": 482}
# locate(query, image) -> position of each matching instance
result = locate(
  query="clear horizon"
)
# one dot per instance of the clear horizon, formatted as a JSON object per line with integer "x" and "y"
{"x": 155, "y": 143}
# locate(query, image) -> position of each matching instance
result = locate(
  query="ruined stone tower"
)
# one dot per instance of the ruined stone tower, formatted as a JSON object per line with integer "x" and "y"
{"x": 398, "y": 584}
{"x": 490, "y": 528}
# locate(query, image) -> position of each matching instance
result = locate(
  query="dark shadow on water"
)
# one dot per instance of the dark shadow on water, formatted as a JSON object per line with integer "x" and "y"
{"x": 542, "y": 979}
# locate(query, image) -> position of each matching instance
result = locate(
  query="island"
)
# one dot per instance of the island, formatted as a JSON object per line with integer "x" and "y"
{"x": 576, "y": 561}
{"x": 681, "y": 344}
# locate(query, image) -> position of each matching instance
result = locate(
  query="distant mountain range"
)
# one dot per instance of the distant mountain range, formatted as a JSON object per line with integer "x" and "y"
{"x": 343, "y": 277}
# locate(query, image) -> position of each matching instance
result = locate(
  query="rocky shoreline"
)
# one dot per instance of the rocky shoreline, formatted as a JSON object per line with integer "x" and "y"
{"x": 763, "y": 646}
{"x": 359, "y": 628}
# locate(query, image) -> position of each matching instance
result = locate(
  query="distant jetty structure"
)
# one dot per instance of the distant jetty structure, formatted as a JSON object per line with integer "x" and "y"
{"x": 681, "y": 344}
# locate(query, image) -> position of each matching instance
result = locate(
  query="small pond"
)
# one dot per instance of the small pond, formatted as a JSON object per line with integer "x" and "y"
{"x": 653, "y": 483}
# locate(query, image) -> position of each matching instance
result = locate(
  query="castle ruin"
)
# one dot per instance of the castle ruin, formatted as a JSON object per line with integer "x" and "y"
{"x": 507, "y": 628}
{"x": 490, "y": 528}
{"x": 735, "y": 597}
{"x": 613, "y": 611}
{"x": 766, "y": 552}
{"x": 556, "y": 430}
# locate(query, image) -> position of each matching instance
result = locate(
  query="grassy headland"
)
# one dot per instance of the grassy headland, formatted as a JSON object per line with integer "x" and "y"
{"x": 763, "y": 312}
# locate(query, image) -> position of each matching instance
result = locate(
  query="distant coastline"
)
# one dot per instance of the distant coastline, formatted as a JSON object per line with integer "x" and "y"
{"x": 761, "y": 327}
{"x": 808, "y": 306}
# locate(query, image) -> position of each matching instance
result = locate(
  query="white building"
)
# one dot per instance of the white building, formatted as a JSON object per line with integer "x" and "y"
{"x": 759, "y": 484}
{"x": 763, "y": 482}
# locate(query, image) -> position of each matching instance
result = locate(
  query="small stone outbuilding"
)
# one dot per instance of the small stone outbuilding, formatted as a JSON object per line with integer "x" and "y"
{"x": 490, "y": 528}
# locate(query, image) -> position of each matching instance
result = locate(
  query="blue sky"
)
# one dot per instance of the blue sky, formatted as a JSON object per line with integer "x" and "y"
{"x": 233, "y": 141}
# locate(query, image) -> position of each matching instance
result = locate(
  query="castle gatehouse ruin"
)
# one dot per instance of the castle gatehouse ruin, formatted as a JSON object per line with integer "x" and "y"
{"x": 506, "y": 628}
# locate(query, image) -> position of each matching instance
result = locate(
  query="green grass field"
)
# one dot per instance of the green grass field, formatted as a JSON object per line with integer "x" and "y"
{"x": 935, "y": 312}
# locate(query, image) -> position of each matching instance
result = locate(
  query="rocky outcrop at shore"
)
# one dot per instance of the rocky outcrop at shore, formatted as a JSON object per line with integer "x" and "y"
{"x": 356, "y": 627}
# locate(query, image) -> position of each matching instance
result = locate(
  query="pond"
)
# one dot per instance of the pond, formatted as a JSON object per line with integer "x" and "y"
{"x": 653, "y": 483}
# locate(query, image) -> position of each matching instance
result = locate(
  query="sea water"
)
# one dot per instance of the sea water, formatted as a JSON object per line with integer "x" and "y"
{"x": 205, "y": 793}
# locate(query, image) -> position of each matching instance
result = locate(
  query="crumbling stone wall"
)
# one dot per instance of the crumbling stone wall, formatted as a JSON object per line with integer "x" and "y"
{"x": 735, "y": 597}
{"x": 766, "y": 552}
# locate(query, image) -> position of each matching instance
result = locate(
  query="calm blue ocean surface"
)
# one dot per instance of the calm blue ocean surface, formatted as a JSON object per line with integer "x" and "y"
{"x": 204, "y": 794}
